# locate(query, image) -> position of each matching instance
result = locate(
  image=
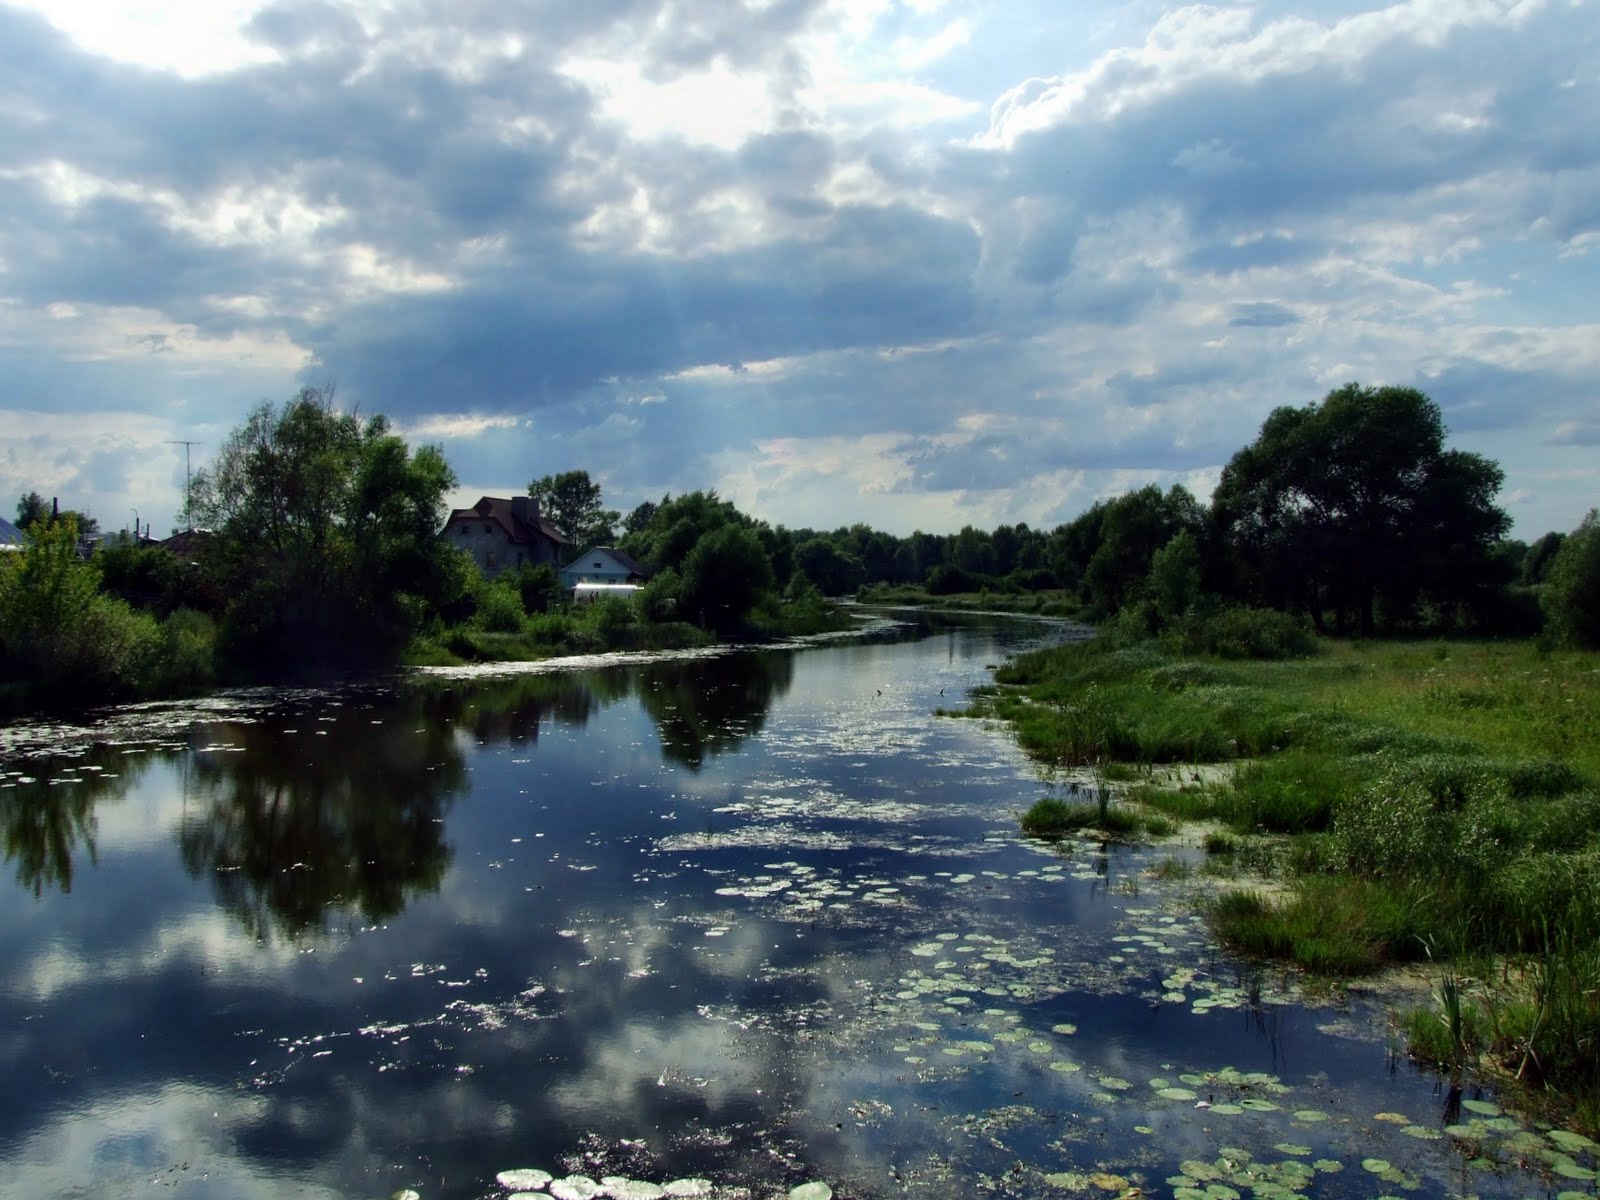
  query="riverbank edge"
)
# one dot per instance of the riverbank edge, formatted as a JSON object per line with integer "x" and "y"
{"x": 1479, "y": 996}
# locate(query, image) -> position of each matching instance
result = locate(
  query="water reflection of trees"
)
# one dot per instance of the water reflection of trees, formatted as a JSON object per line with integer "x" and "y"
{"x": 706, "y": 706}
{"x": 44, "y": 823}
{"x": 343, "y": 812}
{"x": 511, "y": 710}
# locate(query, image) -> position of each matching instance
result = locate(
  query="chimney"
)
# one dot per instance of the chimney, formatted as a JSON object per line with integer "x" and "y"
{"x": 525, "y": 508}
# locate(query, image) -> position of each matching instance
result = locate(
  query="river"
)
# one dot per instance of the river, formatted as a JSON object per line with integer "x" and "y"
{"x": 727, "y": 925}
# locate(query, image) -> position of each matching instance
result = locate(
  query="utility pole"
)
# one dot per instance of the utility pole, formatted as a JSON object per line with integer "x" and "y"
{"x": 188, "y": 519}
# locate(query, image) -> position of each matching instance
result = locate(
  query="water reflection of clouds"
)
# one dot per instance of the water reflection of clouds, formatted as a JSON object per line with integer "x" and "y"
{"x": 201, "y": 939}
{"x": 124, "y": 1143}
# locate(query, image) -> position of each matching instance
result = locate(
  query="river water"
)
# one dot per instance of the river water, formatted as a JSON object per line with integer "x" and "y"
{"x": 720, "y": 926}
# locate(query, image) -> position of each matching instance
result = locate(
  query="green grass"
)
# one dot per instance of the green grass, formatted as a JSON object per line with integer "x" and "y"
{"x": 1437, "y": 798}
{"x": 1053, "y": 818}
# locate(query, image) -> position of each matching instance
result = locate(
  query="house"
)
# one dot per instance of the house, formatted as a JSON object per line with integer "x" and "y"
{"x": 601, "y": 564}
{"x": 502, "y": 534}
{"x": 10, "y": 536}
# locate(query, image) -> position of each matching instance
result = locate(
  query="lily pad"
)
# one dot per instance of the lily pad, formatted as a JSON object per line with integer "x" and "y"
{"x": 815, "y": 1190}
{"x": 524, "y": 1179}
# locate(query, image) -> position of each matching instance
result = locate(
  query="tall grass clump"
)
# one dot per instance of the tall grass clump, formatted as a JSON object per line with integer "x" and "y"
{"x": 1296, "y": 791}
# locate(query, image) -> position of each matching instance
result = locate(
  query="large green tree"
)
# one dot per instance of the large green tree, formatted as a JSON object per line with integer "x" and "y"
{"x": 327, "y": 535}
{"x": 571, "y": 502}
{"x": 1354, "y": 503}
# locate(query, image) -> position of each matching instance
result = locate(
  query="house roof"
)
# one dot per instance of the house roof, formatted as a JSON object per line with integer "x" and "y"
{"x": 189, "y": 543}
{"x": 10, "y": 535}
{"x": 498, "y": 510}
{"x": 626, "y": 562}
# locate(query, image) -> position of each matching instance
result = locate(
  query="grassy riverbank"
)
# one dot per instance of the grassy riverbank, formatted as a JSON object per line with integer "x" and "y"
{"x": 607, "y": 625}
{"x": 1052, "y": 603}
{"x": 1423, "y": 801}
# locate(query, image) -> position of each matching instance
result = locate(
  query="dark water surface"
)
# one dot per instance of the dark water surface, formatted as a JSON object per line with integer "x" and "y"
{"x": 737, "y": 922}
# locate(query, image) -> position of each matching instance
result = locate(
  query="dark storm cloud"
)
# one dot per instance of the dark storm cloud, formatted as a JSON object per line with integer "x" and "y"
{"x": 530, "y": 337}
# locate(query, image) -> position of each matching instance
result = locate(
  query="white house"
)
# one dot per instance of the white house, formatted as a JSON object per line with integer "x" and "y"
{"x": 601, "y": 564}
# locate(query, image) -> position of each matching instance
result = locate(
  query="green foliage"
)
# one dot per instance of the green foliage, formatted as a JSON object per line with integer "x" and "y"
{"x": 724, "y": 576}
{"x": 571, "y": 502}
{"x": 1241, "y": 632}
{"x": 832, "y": 571}
{"x": 1174, "y": 581}
{"x": 499, "y": 609}
{"x": 1354, "y": 506}
{"x": 327, "y": 545}
{"x": 1050, "y": 817}
{"x": 63, "y": 637}
{"x": 1572, "y": 592}
{"x": 31, "y": 507}
{"x": 1292, "y": 792}
{"x": 1132, "y": 529}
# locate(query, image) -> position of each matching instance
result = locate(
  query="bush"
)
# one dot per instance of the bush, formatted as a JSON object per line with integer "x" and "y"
{"x": 499, "y": 609}
{"x": 1241, "y": 632}
{"x": 1572, "y": 592}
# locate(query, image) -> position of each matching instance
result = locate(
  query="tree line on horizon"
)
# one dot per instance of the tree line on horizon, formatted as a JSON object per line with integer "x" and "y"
{"x": 1350, "y": 514}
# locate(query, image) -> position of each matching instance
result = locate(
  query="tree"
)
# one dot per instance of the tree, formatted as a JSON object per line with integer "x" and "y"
{"x": 1572, "y": 597}
{"x": 58, "y": 631}
{"x": 834, "y": 572}
{"x": 1132, "y": 529}
{"x": 31, "y": 507}
{"x": 327, "y": 536}
{"x": 1340, "y": 505}
{"x": 725, "y": 576}
{"x": 571, "y": 502}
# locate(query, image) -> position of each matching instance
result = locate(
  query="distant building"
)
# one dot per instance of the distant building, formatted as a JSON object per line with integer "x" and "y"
{"x": 601, "y": 564}
{"x": 10, "y": 536}
{"x": 504, "y": 534}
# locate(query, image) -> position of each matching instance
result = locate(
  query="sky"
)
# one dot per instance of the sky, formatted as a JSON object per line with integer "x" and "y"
{"x": 913, "y": 263}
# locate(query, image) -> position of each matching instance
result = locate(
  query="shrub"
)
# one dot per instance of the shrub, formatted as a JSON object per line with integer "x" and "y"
{"x": 499, "y": 609}
{"x": 1242, "y": 632}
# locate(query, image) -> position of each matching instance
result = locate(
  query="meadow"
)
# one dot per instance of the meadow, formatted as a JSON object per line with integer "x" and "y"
{"x": 1431, "y": 802}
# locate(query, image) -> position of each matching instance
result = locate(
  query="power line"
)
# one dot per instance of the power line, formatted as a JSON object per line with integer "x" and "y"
{"x": 188, "y": 493}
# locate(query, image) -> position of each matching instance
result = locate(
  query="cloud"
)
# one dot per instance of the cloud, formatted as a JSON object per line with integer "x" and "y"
{"x": 544, "y": 214}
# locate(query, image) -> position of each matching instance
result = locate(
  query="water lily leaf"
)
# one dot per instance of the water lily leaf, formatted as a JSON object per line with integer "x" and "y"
{"x": 1570, "y": 1141}
{"x": 1175, "y": 1093}
{"x": 1393, "y": 1117}
{"x": 1187, "y": 1193}
{"x": 1227, "y": 1110}
{"x": 1114, "y": 1084}
{"x": 1221, "y": 1191}
{"x": 815, "y": 1190}
{"x": 1422, "y": 1133}
{"x": 1070, "y": 1180}
{"x": 525, "y": 1179}
{"x": 1376, "y": 1165}
{"x": 1255, "y": 1104}
{"x": 575, "y": 1187}
{"x": 1292, "y": 1148}
{"x": 1328, "y": 1166}
{"x": 1482, "y": 1107}
{"x": 688, "y": 1189}
{"x": 1065, "y": 1029}
{"x": 1568, "y": 1169}
{"x": 1108, "y": 1182}
{"x": 1310, "y": 1115}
